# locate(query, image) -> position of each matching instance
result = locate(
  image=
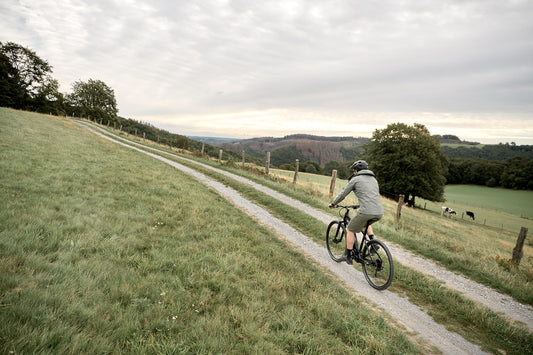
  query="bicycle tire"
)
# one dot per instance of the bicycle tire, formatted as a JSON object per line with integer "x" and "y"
{"x": 335, "y": 240}
{"x": 378, "y": 266}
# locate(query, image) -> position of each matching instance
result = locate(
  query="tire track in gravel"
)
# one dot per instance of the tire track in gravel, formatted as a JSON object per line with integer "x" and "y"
{"x": 408, "y": 314}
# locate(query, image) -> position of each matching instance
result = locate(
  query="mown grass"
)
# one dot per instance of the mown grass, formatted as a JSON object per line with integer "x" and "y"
{"x": 105, "y": 250}
{"x": 474, "y": 322}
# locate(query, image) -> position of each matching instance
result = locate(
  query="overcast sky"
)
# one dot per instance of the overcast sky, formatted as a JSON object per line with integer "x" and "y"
{"x": 272, "y": 68}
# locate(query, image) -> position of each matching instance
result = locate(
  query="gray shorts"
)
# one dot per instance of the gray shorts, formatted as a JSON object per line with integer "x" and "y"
{"x": 357, "y": 223}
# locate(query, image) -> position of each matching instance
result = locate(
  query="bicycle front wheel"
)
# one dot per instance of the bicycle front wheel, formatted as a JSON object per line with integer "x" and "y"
{"x": 377, "y": 264}
{"x": 335, "y": 240}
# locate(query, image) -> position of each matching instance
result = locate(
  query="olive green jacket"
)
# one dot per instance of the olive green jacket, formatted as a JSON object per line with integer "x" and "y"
{"x": 366, "y": 188}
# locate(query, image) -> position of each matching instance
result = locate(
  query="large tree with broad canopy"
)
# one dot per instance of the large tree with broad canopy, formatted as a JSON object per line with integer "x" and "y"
{"x": 408, "y": 160}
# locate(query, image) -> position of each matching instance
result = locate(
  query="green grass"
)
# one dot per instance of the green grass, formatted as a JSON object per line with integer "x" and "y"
{"x": 517, "y": 202}
{"x": 475, "y": 322}
{"x": 105, "y": 250}
{"x": 478, "y": 251}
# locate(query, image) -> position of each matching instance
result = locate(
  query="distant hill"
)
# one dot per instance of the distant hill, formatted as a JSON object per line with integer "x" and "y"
{"x": 322, "y": 150}
{"x": 319, "y": 149}
{"x": 451, "y": 139}
{"x": 301, "y": 146}
{"x": 213, "y": 140}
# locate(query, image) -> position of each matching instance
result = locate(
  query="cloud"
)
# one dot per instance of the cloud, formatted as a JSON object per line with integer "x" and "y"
{"x": 219, "y": 61}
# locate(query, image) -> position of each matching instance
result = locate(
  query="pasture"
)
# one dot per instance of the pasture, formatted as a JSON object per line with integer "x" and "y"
{"x": 495, "y": 207}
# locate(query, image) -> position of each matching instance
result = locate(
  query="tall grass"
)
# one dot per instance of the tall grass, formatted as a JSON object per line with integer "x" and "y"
{"x": 105, "y": 250}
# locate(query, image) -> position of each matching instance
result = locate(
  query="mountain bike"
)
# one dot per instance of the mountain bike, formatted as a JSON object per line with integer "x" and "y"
{"x": 372, "y": 254}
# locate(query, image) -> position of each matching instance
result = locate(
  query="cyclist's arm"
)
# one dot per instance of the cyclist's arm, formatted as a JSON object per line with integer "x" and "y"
{"x": 344, "y": 192}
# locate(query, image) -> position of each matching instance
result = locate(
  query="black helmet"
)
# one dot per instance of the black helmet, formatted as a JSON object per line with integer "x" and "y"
{"x": 359, "y": 165}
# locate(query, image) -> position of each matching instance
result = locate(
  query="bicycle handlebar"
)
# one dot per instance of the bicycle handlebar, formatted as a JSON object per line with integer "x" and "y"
{"x": 347, "y": 207}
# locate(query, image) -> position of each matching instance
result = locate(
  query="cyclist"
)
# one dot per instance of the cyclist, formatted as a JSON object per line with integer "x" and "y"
{"x": 365, "y": 186}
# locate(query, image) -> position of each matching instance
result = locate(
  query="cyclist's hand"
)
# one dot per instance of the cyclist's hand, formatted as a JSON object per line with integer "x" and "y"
{"x": 332, "y": 205}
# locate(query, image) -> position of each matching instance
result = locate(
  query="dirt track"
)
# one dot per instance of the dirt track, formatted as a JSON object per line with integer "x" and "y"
{"x": 412, "y": 317}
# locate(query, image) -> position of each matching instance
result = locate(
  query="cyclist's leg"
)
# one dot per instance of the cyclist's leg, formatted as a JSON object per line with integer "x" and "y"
{"x": 350, "y": 239}
{"x": 358, "y": 223}
{"x": 370, "y": 231}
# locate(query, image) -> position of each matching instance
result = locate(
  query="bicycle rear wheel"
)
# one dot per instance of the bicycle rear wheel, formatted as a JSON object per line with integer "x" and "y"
{"x": 335, "y": 240}
{"x": 377, "y": 264}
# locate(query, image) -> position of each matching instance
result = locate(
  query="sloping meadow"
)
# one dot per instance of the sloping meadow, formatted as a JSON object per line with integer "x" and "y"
{"x": 107, "y": 250}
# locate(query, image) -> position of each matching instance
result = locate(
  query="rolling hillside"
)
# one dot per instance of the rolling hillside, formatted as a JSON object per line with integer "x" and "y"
{"x": 322, "y": 150}
{"x": 303, "y": 147}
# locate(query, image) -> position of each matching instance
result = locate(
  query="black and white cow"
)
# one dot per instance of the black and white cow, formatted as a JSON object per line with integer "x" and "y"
{"x": 471, "y": 215}
{"x": 447, "y": 210}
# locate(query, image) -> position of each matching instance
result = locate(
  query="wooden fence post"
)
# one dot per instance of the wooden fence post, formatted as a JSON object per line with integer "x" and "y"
{"x": 144, "y": 136}
{"x": 243, "y": 159}
{"x": 518, "y": 251}
{"x": 399, "y": 209}
{"x": 296, "y": 168}
{"x": 203, "y": 146}
{"x": 332, "y": 183}
{"x": 267, "y": 166}
{"x": 220, "y": 156}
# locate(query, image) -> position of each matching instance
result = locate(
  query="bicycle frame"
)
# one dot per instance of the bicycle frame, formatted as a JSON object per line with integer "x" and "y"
{"x": 357, "y": 248}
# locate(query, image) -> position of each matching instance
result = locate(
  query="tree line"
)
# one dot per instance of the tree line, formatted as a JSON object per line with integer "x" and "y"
{"x": 490, "y": 152}
{"x": 26, "y": 83}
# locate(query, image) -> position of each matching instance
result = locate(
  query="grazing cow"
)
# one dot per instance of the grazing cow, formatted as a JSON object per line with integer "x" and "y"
{"x": 471, "y": 215}
{"x": 447, "y": 210}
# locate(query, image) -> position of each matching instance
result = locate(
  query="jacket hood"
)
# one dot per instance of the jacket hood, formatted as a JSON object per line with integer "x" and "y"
{"x": 365, "y": 172}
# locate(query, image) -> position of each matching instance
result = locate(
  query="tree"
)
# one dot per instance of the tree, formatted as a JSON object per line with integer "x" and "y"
{"x": 93, "y": 99}
{"x": 11, "y": 94}
{"x": 49, "y": 99}
{"x": 408, "y": 160}
{"x": 343, "y": 169}
{"x": 23, "y": 76}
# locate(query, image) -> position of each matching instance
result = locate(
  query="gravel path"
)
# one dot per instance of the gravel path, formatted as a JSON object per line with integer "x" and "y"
{"x": 412, "y": 317}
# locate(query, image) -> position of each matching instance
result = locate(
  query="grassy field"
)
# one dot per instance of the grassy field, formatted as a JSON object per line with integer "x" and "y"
{"x": 105, "y": 250}
{"x": 448, "y": 307}
{"x": 516, "y": 202}
{"x": 99, "y": 258}
{"x": 501, "y": 208}
{"x": 479, "y": 249}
